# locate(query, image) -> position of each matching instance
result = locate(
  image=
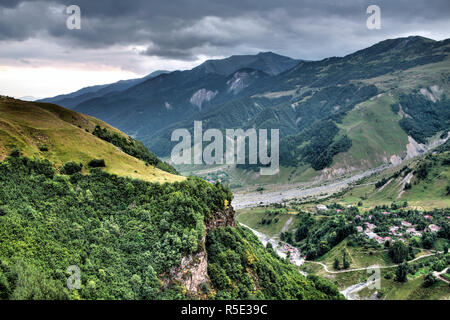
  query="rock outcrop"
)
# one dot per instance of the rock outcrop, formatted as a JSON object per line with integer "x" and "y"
{"x": 193, "y": 269}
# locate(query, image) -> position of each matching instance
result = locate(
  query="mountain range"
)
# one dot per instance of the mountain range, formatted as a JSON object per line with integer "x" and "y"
{"x": 335, "y": 116}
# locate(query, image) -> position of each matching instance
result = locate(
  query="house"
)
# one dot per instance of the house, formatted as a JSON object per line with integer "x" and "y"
{"x": 379, "y": 239}
{"x": 358, "y": 217}
{"x": 427, "y": 216}
{"x": 406, "y": 224}
{"x": 370, "y": 226}
{"x": 339, "y": 210}
{"x": 433, "y": 228}
{"x": 413, "y": 232}
{"x": 385, "y": 213}
{"x": 410, "y": 230}
{"x": 371, "y": 235}
{"x": 393, "y": 229}
{"x": 321, "y": 207}
{"x": 359, "y": 228}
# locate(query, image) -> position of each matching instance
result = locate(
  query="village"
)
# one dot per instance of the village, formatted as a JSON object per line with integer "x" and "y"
{"x": 398, "y": 229}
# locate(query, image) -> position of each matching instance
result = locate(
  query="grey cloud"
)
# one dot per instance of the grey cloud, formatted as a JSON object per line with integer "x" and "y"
{"x": 185, "y": 30}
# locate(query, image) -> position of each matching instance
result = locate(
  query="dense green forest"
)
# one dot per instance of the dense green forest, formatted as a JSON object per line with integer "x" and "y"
{"x": 241, "y": 268}
{"x": 125, "y": 235}
{"x": 426, "y": 118}
{"x": 316, "y": 145}
{"x": 121, "y": 233}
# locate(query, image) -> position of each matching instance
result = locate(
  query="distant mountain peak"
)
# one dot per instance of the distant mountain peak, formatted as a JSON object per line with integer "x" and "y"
{"x": 268, "y": 62}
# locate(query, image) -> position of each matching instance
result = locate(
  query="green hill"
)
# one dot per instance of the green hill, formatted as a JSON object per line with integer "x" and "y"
{"x": 47, "y": 131}
{"x": 423, "y": 182}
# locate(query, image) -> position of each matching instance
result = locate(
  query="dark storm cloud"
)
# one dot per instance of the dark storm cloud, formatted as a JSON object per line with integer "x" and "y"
{"x": 183, "y": 30}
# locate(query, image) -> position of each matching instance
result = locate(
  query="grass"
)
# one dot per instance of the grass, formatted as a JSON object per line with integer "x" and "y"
{"x": 413, "y": 290}
{"x": 253, "y": 216}
{"x": 345, "y": 279}
{"x": 425, "y": 194}
{"x": 29, "y": 126}
{"x": 358, "y": 257}
{"x": 375, "y": 133}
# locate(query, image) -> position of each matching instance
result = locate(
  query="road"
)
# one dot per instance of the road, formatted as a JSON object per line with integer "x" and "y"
{"x": 349, "y": 293}
{"x": 370, "y": 267}
{"x": 295, "y": 256}
{"x": 438, "y": 275}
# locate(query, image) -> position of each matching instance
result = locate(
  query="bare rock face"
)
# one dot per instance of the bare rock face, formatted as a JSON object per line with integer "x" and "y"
{"x": 221, "y": 219}
{"x": 193, "y": 269}
{"x": 201, "y": 96}
{"x": 192, "y": 272}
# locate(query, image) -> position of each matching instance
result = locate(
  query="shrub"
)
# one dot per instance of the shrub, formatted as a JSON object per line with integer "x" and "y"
{"x": 15, "y": 153}
{"x": 3, "y": 211}
{"x": 71, "y": 167}
{"x": 97, "y": 163}
{"x": 429, "y": 280}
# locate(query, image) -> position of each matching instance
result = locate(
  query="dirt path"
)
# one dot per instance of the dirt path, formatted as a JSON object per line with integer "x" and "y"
{"x": 287, "y": 225}
{"x": 386, "y": 184}
{"x": 349, "y": 292}
{"x": 438, "y": 275}
{"x": 405, "y": 180}
{"x": 370, "y": 267}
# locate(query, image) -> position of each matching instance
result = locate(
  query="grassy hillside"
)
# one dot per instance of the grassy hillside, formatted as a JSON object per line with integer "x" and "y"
{"x": 422, "y": 182}
{"x": 375, "y": 133}
{"x": 47, "y": 131}
{"x": 123, "y": 234}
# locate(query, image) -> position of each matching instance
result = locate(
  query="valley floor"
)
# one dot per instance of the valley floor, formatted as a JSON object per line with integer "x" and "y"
{"x": 246, "y": 200}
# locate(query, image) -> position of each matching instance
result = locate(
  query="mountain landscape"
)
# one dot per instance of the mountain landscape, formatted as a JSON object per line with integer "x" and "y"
{"x": 86, "y": 181}
{"x": 76, "y": 191}
{"x": 336, "y": 116}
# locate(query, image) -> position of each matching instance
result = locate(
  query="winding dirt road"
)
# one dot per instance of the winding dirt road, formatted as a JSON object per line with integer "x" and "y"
{"x": 370, "y": 267}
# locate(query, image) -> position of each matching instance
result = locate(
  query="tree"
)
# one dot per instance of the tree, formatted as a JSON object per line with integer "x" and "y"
{"x": 401, "y": 272}
{"x": 428, "y": 240}
{"x": 429, "y": 280}
{"x": 136, "y": 284}
{"x": 398, "y": 252}
{"x": 345, "y": 262}
{"x": 151, "y": 285}
{"x": 97, "y": 163}
{"x": 336, "y": 264}
{"x": 71, "y": 167}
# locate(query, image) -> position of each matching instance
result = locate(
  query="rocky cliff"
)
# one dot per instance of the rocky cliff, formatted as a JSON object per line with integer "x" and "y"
{"x": 192, "y": 272}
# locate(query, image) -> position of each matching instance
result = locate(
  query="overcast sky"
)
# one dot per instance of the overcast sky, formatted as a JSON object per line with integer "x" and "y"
{"x": 124, "y": 39}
